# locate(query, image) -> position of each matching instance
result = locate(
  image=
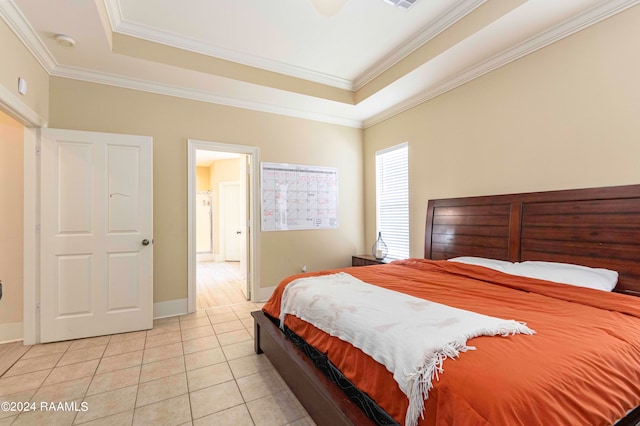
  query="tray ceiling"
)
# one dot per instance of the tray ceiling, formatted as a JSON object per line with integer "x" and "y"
{"x": 364, "y": 63}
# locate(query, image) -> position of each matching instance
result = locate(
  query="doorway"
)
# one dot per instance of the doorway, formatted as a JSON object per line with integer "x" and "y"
{"x": 11, "y": 227}
{"x": 221, "y": 216}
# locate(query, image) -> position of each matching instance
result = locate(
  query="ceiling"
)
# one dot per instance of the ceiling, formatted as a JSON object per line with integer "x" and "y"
{"x": 358, "y": 66}
{"x": 205, "y": 158}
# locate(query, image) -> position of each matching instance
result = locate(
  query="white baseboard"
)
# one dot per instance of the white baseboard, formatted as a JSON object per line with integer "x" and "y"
{"x": 263, "y": 294}
{"x": 11, "y": 332}
{"x": 170, "y": 308}
{"x": 205, "y": 257}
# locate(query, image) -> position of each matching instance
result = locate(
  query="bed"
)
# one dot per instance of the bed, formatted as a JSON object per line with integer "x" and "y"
{"x": 598, "y": 228}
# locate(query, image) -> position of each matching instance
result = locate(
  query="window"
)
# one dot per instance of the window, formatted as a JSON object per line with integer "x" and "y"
{"x": 392, "y": 199}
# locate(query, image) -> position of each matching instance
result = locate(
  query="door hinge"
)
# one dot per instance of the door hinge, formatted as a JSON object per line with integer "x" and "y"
{"x": 38, "y": 151}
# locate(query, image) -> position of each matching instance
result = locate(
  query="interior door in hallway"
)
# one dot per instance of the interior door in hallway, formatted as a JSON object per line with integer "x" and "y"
{"x": 96, "y": 234}
{"x": 233, "y": 229}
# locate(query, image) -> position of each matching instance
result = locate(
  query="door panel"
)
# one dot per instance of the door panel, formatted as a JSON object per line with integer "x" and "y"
{"x": 96, "y": 208}
{"x": 123, "y": 188}
{"x": 74, "y": 289}
{"x": 124, "y": 289}
{"x": 74, "y": 187}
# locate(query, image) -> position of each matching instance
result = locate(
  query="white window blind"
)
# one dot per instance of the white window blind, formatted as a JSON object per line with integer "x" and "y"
{"x": 392, "y": 199}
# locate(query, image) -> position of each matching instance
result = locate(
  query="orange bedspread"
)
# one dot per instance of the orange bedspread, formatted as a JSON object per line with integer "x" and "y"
{"x": 581, "y": 368}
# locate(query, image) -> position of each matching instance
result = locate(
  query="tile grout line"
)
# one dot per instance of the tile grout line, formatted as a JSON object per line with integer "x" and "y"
{"x": 135, "y": 401}
{"x": 208, "y": 312}
{"x": 239, "y": 315}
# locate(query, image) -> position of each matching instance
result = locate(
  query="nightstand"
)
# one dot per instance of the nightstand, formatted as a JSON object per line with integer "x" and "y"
{"x": 366, "y": 259}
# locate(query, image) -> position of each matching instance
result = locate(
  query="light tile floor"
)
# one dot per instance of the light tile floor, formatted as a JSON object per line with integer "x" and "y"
{"x": 195, "y": 369}
{"x": 218, "y": 284}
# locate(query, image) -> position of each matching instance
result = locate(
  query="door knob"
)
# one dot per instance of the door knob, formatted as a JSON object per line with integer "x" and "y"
{"x": 145, "y": 242}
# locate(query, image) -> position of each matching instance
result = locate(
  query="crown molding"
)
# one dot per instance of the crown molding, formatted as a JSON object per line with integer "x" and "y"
{"x": 122, "y": 26}
{"x": 114, "y": 13}
{"x": 592, "y": 16}
{"x": 23, "y": 30}
{"x": 441, "y": 23}
{"x": 26, "y": 34}
{"x": 196, "y": 95}
{"x": 29, "y": 38}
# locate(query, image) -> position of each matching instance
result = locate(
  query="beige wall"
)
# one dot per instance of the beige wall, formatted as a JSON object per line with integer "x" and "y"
{"x": 11, "y": 219}
{"x": 567, "y": 116}
{"x": 17, "y": 62}
{"x": 203, "y": 178}
{"x": 171, "y": 121}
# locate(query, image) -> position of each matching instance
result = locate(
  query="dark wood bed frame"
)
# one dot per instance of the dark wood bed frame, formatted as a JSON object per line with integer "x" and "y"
{"x": 597, "y": 227}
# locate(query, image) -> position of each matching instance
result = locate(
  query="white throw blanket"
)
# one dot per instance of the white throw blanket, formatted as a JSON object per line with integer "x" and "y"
{"x": 411, "y": 337}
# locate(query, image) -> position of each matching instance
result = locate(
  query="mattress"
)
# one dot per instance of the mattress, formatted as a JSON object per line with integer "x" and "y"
{"x": 582, "y": 366}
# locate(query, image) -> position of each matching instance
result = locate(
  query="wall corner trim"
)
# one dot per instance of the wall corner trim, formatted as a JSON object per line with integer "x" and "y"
{"x": 10, "y": 332}
{"x": 264, "y": 293}
{"x": 170, "y": 308}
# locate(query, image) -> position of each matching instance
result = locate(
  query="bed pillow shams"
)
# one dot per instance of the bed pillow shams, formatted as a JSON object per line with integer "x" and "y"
{"x": 498, "y": 265}
{"x": 564, "y": 273}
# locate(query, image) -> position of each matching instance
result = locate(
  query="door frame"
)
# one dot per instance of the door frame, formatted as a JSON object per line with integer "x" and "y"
{"x": 253, "y": 228}
{"x": 32, "y": 121}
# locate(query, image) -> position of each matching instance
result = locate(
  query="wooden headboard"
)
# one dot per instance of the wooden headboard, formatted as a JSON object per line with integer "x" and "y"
{"x": 597, "y": 227}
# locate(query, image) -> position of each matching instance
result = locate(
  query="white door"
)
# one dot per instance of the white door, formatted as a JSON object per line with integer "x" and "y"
{"x": 96, "y": 259}
{"x": 243, "y": 214}
{"x": 234, "y": 211}
{"x": 233, "y": 229}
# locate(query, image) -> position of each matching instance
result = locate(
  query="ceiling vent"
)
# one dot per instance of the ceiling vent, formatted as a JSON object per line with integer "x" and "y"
{"x": 403, "y": 4}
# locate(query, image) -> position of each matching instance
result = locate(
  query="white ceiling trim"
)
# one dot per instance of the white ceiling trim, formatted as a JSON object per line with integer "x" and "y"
{"x": 444, "y": 21}
{"x": 114, "y": 13}
{"x": 19, "y": 110}
{"x": 27, "y": 35}
{"x": 184, "y": 43}
{"x": 122, "y": 26}
{"x": 180, "y": 92}
{"x": 571, "y": 26}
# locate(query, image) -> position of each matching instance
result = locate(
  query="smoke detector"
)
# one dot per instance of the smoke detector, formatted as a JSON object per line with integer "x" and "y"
{"x": 403, "y": 4}
{"x": 64, "y": 40}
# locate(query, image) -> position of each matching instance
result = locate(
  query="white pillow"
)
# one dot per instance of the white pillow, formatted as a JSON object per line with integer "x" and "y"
{"x": 498, "y": 265}
{"x": 565, "y": 273}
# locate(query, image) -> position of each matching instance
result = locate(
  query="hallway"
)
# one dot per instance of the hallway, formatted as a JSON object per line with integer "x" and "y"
{"x": 218, "y": 284}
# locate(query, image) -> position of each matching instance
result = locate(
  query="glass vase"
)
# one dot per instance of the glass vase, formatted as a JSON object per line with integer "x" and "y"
{"x": 379, "y": 249}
